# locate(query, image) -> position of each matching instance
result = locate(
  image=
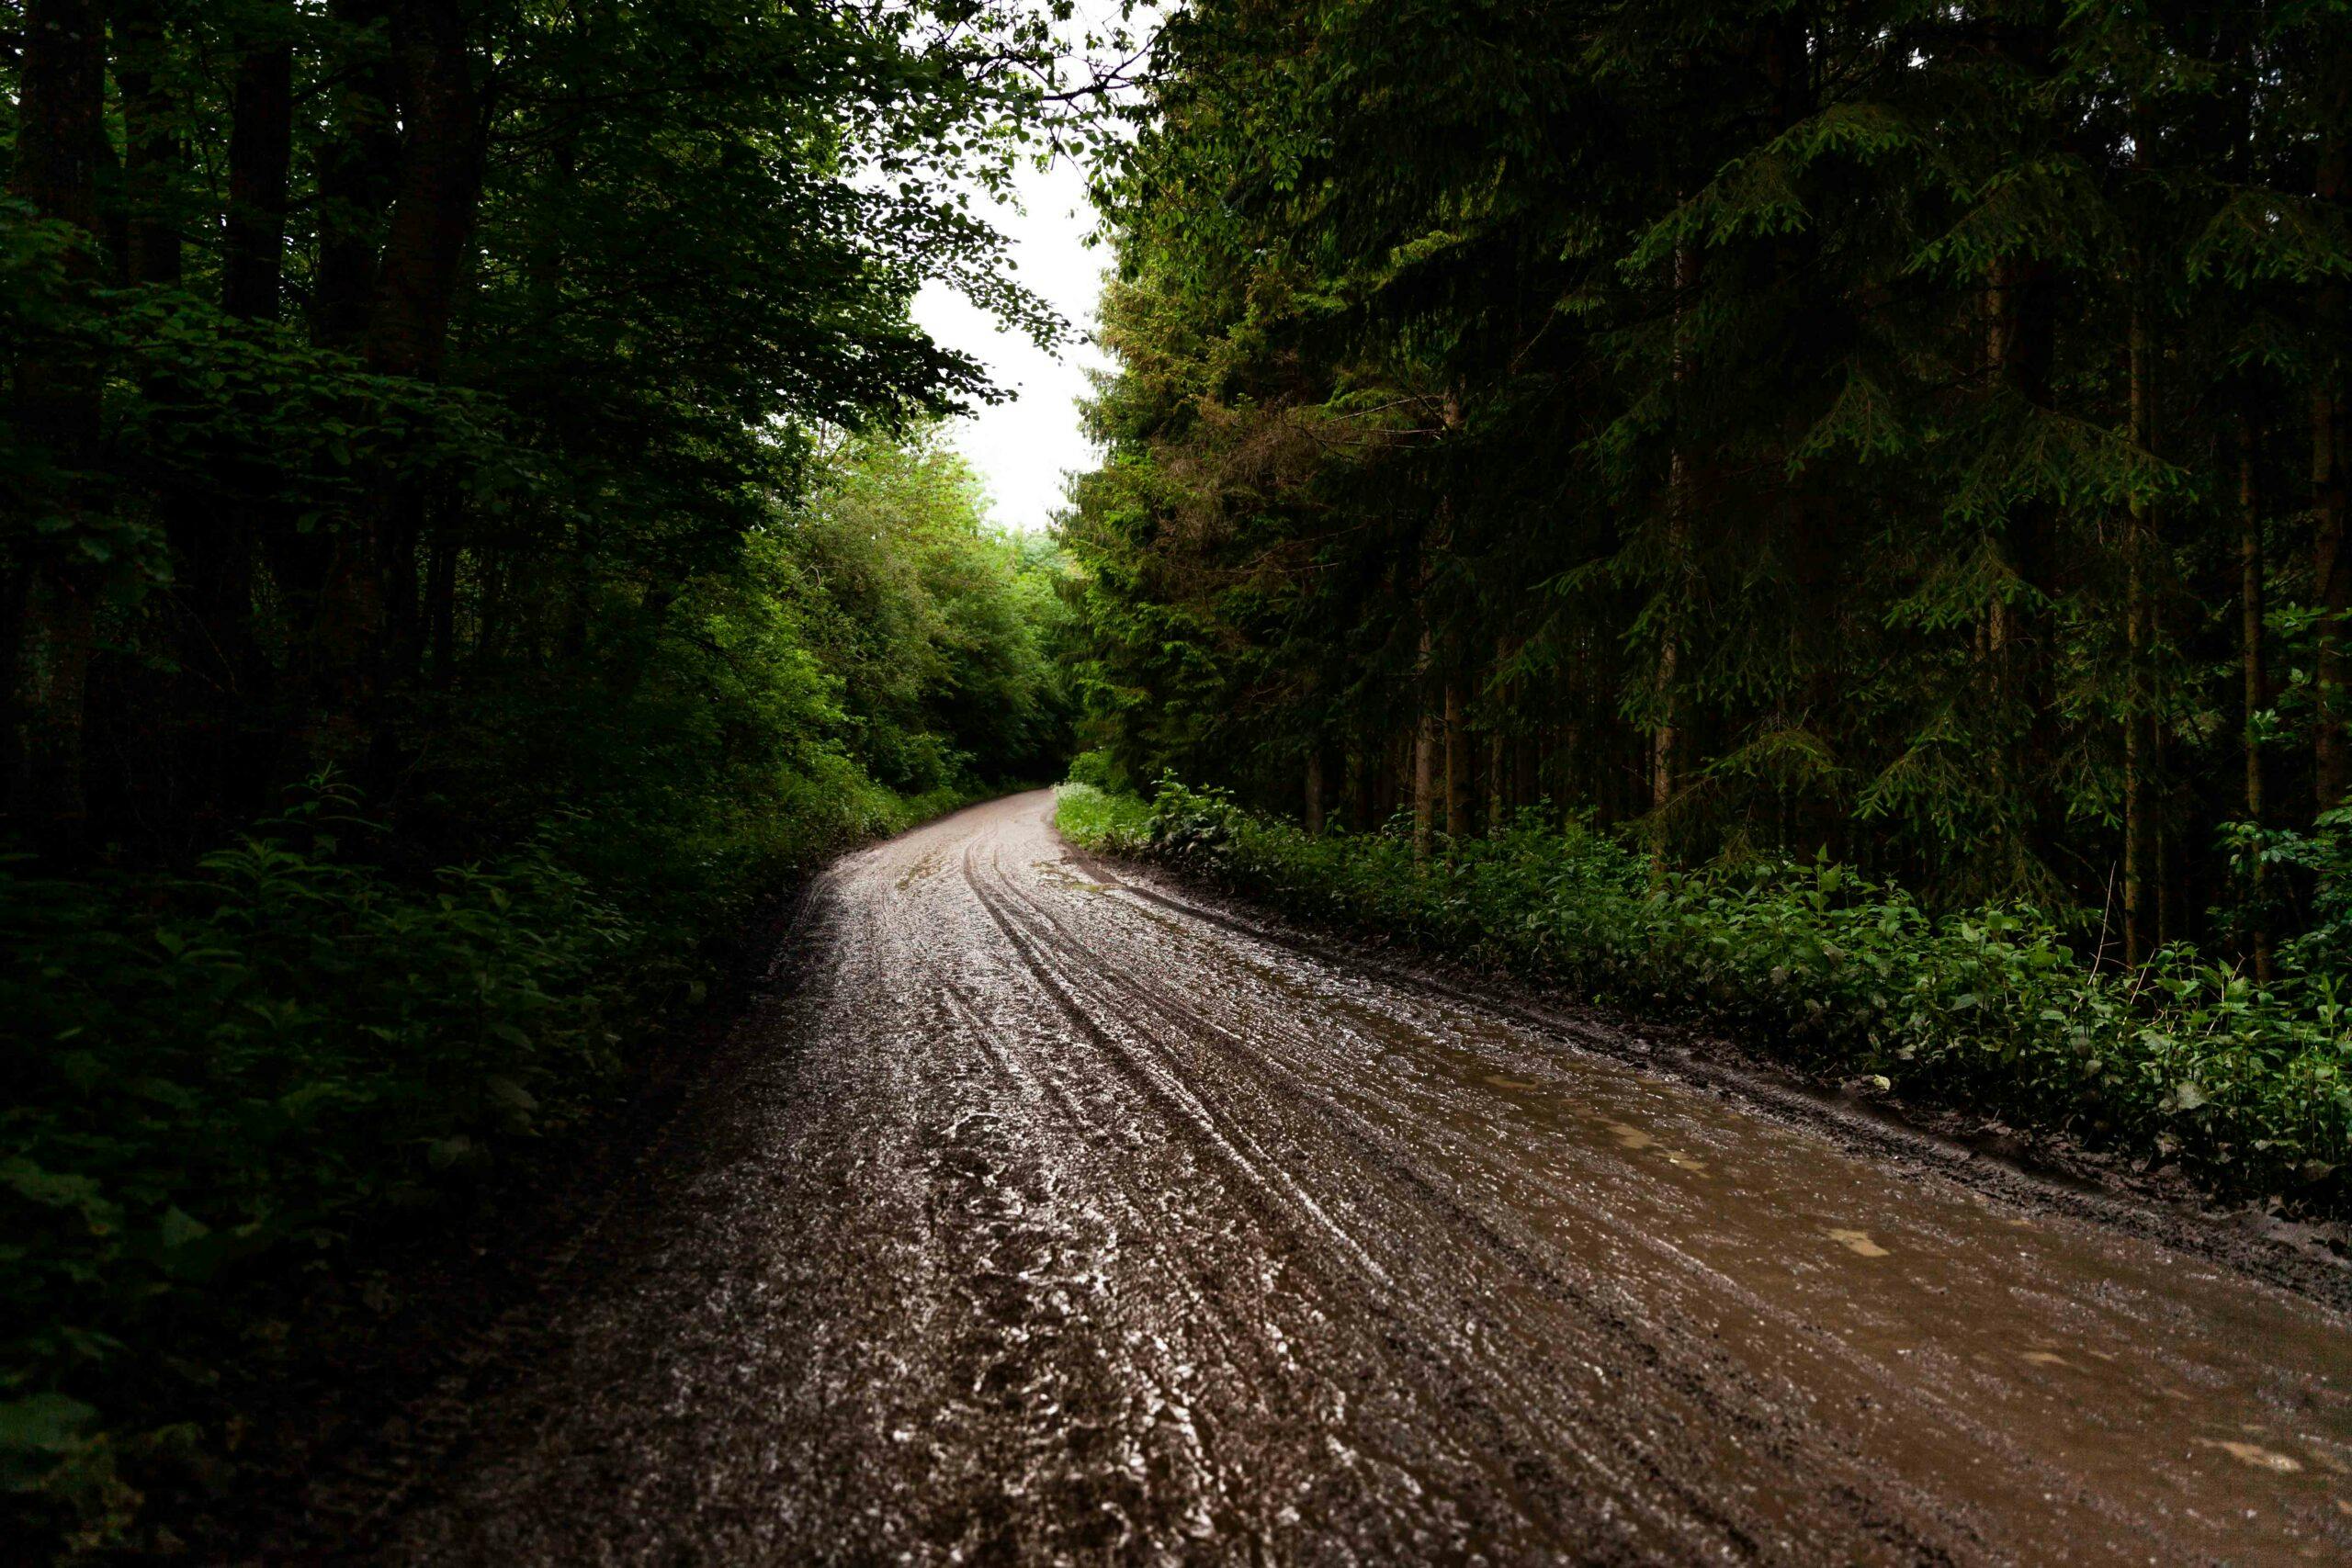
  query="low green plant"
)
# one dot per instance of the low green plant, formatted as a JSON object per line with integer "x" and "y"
{"x": 245, "y": 1063}
{"x": 1996, "y": 1008}
{"x": 1098, "y": 819}
{"x": 234, "y": 1073}
{"x": 1098, "y": 770}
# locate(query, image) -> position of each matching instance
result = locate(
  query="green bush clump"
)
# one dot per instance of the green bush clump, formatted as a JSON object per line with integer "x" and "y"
{"x": 1994, "y": 1008}
{"x": 1098, "y": 770}
{"x": 1099, "y": 819}
{"x": 240, "y": 1070}
{"x": 250, "y": 1060}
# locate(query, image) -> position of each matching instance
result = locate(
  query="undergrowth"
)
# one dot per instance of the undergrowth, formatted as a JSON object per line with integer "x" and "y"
{"x": 244, "y": 1070}
{"x": 2181, "y": 1061}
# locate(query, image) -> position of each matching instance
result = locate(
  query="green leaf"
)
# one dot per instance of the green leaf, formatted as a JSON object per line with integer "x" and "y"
{"x": 29, "y": 1181}
{"x": 44, "y": 1422}
{"x": 180, "y": 1227}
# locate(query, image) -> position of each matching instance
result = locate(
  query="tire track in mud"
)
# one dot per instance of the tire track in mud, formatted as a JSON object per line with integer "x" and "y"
{"x": 1723, "y": 1391}
{"x": 1264, "y": 1195}
{"x": 1720, "y": 1393}
{"x": 2140, "y": 1317}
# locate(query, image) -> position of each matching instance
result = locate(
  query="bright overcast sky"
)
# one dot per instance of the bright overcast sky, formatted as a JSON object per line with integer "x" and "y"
{"x": 1024, "y": 448}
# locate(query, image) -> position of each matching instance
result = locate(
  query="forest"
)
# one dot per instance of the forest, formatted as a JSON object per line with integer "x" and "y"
{"x": 475, "y": 525}
{"x": 1909, "y": 431}
{"x": 1826, "y": 520}
{"x": 1829, "y": 520}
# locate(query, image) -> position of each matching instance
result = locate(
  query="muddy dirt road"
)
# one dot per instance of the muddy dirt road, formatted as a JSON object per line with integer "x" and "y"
{"x": 1058, "y": 1218}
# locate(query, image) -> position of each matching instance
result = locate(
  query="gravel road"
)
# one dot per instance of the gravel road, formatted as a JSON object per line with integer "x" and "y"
{"x": 1056, "y": 1216}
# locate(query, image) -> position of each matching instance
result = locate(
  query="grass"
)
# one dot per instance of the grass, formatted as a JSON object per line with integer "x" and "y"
{"x": 2184, "y": 1062}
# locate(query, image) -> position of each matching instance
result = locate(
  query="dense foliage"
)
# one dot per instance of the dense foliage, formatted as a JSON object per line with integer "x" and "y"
{"x": 1909, "y": 431}
{"x": 2246, "y": 1086}
{"x": 304, "y": 1035}
{"x": 469, "y": 528}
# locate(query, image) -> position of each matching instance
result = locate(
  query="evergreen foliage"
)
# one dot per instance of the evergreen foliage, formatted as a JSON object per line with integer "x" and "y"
{"x": 1908, "y": 432}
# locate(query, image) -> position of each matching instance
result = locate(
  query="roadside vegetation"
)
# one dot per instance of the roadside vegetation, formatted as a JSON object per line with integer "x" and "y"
{"x": 1826, "y": 519}
{"x": 2246, "y": 1086}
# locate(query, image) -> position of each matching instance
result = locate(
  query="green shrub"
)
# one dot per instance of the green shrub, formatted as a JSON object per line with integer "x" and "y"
{"x": 249, "y": 1062}
{"x": 1100, "y": 820}
{"x": 230, "y": 1074}
{"x": 1098, "y": 770}
{"x": 1994, "y": 1008}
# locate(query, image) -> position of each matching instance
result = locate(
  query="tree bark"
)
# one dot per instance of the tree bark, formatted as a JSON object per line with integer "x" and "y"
{"x": 1664, "y": 738}
{"x": 153, "y": 149}
{"x": 2332, "y": 581}
{"x": 2255, "y": 679}
{"x": 2022, "y": 310}
{"x": 365, "y": 632}
{"x": 1457, "y": 763}
{"x": 2139, "y": 790}
{"x": 1314, "y": 789}
{"x": 261, "y": 152}
{"x": 2331, "y": 562}
{"x": 1501, "y": 779}
{"x": 1497, "y": 783}
{"x": 357, "y": 173}
{"x": 440, "y": 184}
{"x": 441, "y": 607}
{"x": 1429, "y": 739}
{"x": 1528, "y": 767}
{"x": 60, "y": 133}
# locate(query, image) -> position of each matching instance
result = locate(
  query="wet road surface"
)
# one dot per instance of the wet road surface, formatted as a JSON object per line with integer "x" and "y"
{"x": 1059, "y": 1217}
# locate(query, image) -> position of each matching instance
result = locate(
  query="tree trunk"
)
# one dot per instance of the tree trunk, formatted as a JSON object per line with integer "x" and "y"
{"x": 441, "y": 607}
{"x": 2331, "y": 563}
{"x": 153, "y": 151}
{"x": 61, "y": 131}
{"x": 2023, "y": 342}
{"x": 1500, "y": 778}
{"x": 2332, "y": 585}
{"x": 1457, "y": 763}
{"x": 2255, "y": 681}
{"x": 261, "y": 151}
{"x": 1313, "y": 783}
{"x": 2021, "y": 356}
{"x": 439, "y": 186}
{"x": 1663, "y": 736}
{"x": 2139, "y": 789}
{"x": 1497, "y": 784}
{"x": 1527, "y": 764}
{"x": 364, "y": 633}
{"x": 1428, "y": 739}
{"x": 357, "y": 173}
{"x": 213, "y": 536}
{"x": 2332, "y": 581}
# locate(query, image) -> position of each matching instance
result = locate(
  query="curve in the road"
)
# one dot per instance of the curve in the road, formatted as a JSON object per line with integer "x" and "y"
{"x": 1064, "y": 1217}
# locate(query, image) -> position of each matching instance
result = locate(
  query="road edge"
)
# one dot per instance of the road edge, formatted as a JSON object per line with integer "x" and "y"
{"x": 1978, "y": 1154}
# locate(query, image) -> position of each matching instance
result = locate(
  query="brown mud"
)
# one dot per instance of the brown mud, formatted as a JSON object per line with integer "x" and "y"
{"x": 1059, "y": 1215}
